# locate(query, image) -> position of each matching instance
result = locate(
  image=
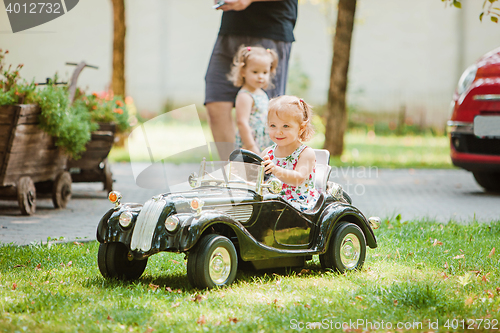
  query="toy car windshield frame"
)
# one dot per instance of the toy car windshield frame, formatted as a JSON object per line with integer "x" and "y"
{"x": 229, "y": 174}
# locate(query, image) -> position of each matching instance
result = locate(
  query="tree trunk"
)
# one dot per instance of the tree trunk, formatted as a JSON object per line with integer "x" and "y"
{"x": 119, "y": 30}
{"x": 336, "y": 116}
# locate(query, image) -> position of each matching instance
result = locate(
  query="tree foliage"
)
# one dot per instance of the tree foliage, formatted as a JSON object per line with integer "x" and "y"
{"x": 491, "y": 8}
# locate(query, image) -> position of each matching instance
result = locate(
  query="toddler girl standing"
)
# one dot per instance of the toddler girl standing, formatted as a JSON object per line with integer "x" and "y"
{"x": 253, "y": 67}
{"x": 292, "y": 162}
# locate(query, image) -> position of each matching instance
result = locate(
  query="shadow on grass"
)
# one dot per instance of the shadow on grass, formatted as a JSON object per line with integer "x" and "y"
{"x": 180, "y": 281}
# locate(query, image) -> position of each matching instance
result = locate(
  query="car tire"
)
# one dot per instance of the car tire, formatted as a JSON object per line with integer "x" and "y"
{"x": 213, "y": 262}
{"x": 347, "y": 249}
{"x": 114, "y": 262}
{"x": 490, "y": 181}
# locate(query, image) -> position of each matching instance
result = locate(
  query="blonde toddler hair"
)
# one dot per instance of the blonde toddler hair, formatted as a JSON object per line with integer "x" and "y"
{"x": 294, "y": 107}
{"x": 243, "y": 56}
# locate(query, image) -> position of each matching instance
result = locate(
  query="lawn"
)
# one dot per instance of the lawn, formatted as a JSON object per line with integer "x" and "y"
{"x": 424, "y": 276}
{"x": 362, "y": 148}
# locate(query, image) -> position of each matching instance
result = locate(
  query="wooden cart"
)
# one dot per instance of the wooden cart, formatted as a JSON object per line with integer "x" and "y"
{"x": 93, "y": 165}
{"x": 29, "y": 157}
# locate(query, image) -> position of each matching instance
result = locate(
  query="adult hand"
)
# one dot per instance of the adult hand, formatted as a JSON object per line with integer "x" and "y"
{"x": 235, "y": 5}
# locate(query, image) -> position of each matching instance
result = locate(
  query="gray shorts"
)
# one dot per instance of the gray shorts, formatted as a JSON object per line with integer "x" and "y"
{"x": 219, "y": 89}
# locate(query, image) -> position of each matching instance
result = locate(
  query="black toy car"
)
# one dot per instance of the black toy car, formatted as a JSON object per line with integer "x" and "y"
{"x": 231, "y": 216}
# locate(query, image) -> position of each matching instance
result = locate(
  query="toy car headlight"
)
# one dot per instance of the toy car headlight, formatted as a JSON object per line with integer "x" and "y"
{"x": 171, "y": 223}
{"x": 125, "y": 219}
{"x": 115, "y": 197}
{"x": 374, "y": 222}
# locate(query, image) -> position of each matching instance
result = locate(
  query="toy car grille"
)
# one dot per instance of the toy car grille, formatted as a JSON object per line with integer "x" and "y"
{"x": 240, "y": 213}
{"x": 146, "y": 223}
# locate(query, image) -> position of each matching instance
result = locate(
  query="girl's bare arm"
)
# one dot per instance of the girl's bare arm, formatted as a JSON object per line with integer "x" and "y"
{"x": 243, "y": 104}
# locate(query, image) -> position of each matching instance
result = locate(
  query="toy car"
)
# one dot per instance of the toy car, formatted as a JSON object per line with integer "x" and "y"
{"x": 474, "y": 125}
{"x": 231, "y": 216}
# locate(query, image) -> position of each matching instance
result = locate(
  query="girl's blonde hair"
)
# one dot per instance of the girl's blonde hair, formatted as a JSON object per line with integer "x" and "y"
{"x": 243, "y": 56}
{"x": 295, "y": 107}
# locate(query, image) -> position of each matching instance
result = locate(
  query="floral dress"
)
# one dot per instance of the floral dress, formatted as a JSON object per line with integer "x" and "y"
{"x": 304, "y": 196}
{"x": 257, "y": 121}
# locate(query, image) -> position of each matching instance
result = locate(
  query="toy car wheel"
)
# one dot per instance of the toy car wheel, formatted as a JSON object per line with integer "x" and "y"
{"x": 114, "y": 261}
{"x": 26, "y": 195}
{"x": 347, "y": 249}
{"x": 490, "y": 181}
{"x": 61, "y": 192}
{"x": 212, "y": 263}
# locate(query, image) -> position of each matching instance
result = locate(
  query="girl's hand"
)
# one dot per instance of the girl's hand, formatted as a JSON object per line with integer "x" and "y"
{"x": 269, "y": 166}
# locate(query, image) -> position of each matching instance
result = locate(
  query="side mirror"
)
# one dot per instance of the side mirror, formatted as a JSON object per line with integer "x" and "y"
{"x": 193, "y": 180}
{"x": 335, "y": 190}
{"x": 274, "y": 186}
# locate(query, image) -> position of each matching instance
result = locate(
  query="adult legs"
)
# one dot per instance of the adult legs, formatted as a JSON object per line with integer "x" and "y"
{"x": 221, "y": 124}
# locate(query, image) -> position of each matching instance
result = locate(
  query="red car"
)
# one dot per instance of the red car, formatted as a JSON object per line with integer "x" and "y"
{"x": 474, "y": 127}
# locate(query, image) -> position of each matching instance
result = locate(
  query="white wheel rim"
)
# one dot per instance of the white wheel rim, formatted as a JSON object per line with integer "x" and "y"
{"x": 350, "y": 251}
{"x": 220, "y": 265}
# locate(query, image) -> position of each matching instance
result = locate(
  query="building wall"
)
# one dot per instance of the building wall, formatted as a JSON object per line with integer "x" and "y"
{"x": 404, "y": 53}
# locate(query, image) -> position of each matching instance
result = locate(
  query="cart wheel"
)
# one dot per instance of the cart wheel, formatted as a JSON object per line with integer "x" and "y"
{"x": 108, "y": 177}
{"x": 61, "y": 192}
{"x": 26, "y": 195}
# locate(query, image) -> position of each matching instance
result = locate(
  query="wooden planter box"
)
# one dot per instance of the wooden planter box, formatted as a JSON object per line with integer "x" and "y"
{"x": 93, "y": 165}
{"x": 28, "y": 155}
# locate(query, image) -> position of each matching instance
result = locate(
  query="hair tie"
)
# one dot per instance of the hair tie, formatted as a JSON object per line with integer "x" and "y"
{"x": 268, "y": 50}
{"x": 301, "y": 100}
{"x": 249, "y": 48}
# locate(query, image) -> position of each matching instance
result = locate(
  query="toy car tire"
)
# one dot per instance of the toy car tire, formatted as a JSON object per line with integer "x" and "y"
{"x": 490, "y": 181}
{"x": 347, "y": 249}
{"x": 213, "y": 262}
{"x": 113, "y": 262}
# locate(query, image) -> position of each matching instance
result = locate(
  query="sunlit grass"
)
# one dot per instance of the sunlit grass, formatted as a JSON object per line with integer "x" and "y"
{"x": 361, "y": 148}
{"x": 422, "y": 272}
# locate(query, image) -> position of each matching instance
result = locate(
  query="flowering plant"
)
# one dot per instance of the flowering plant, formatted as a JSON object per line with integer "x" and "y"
{"x": 105, "y": 107}
{"x": 70, "y": 123}
{"x": 12, "y": 90}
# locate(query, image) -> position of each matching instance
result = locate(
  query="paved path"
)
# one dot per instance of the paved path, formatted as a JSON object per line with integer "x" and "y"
{"x": 441, "y": 195}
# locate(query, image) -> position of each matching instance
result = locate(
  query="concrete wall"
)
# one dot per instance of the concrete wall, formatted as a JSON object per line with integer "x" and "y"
{"x": 404, "y": 53}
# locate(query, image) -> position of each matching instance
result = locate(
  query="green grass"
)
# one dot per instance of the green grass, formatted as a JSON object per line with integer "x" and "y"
{"x": 362, "y": 148}
{"x": 422, "y": 272}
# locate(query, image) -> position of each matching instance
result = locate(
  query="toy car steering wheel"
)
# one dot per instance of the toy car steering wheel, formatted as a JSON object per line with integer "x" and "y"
{"x": 247, "y": 156}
